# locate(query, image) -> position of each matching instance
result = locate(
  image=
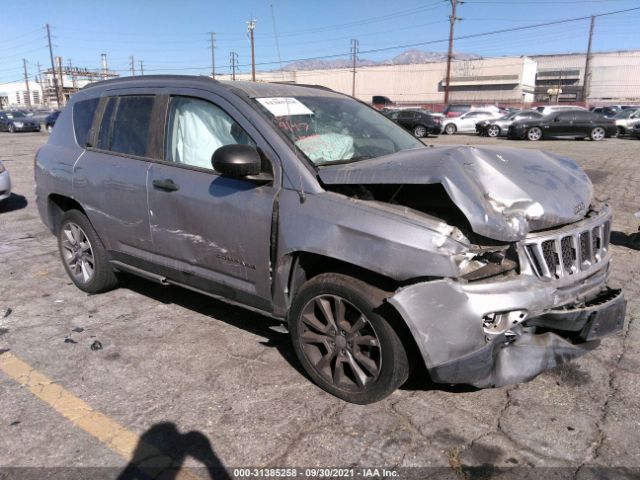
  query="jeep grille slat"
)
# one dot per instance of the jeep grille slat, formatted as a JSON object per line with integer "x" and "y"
{"x": 561, "y": 255}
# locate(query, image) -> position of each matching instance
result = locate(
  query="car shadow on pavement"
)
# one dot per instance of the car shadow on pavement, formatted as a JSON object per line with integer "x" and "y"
{"x": 622, "y": 239}
{"x": 162, "y": 450}
{"x": 14, "y": 202}
{"x": 247, "y": 320}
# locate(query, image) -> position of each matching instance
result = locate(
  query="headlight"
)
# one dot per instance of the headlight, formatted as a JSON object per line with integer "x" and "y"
{"x": 488, "y": 262}
{"x": 18, "y": 124}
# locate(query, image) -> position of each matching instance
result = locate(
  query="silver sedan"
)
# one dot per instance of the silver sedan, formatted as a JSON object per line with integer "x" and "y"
{"x": 5, "y": 183}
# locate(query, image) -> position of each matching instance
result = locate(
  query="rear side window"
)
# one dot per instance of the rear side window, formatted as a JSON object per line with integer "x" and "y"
{"x": 125, "y": 125}
{"x": 82, "y": 119}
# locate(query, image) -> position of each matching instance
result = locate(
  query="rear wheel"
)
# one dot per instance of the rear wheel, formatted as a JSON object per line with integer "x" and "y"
{"x": 534, "y": 134}
{"x": 420, "y": 131}
{"x": 493, "y": 130}
{"x": 345, "y": 346}
{"x": 12, "y": 128}
{"x": 597, "y": 134}
{"x": 620, "y": 131}
{"x": 49, "y": 129}
{"x": 83, "y": 255}
{"x": 450, "y": 129}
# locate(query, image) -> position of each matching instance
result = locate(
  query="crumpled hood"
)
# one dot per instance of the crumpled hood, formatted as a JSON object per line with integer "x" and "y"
{"x": 504, "y": 192}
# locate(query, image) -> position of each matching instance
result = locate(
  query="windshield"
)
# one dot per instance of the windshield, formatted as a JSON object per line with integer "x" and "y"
{"x": 336, "y": 129}
{"x": 16, "y": 115}
{"x": 624, "y": 113}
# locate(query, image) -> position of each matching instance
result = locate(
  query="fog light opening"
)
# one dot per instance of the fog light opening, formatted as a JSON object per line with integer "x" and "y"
{"x": 497, "y": 323}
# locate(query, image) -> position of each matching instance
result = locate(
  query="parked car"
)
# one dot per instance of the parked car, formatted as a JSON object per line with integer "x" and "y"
{"x": 569, "y": 123}
{"x": 455, "y": 110}
{"x": 636, "y": 131}
{"x": 548, "y": 109}
{"x": 608, "y": 112}
{"x": 312, "y": 208}
{"x": 5, "y": 183}
{"x": 418, "y": 122}
{"x": 466, "y": 122}
{"x": 500, "y": 126}
{"x": 50, "y": 121}
{"x": 17, "y": 122}
{"x": 626, "y": 120}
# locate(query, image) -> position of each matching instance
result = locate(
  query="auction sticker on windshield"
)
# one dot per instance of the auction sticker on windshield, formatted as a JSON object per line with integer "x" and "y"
{"x": 284, "y": 106}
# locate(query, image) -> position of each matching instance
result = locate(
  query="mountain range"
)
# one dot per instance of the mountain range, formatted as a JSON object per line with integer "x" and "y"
{"x": 407, "y": 57}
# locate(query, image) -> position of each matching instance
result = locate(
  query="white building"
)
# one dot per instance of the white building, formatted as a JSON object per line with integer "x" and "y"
{"x": 14, "y": 95}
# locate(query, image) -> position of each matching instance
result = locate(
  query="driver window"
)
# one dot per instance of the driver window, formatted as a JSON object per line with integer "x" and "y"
{"x": 197, "y": 128}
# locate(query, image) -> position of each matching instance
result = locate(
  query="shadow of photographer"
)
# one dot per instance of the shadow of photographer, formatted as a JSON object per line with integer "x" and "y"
{"x": 162, "y": 450}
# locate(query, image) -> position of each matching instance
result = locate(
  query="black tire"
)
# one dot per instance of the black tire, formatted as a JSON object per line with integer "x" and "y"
{"x": 620, "y": 131}
{"x": 450, "y": 128}
{"x": 98, "y": 276}
{"x": 11, "y": 128}
{"x": 386, "y": 357}
{"x": 420, "y": 131}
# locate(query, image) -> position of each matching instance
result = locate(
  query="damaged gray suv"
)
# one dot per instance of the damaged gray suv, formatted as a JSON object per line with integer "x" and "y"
{"x": 487, "y": 265}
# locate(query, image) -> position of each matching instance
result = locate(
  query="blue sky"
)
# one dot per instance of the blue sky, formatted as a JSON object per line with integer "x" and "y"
{"x": 171, "y": 36}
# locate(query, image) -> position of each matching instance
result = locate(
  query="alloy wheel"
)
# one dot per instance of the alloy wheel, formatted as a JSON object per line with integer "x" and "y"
{"x": 77, "y": 253}
{"x": 450, "y": 129}
{"x": 534, "y": 134}
{"x": 420, "y": 131}
{"x": 493, "y": 131}
{"x": 340, "y": 343}
{"x": 597, "y": 134}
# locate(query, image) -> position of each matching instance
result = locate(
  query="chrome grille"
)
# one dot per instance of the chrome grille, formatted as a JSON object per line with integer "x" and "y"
{"x": 571, "y": 252}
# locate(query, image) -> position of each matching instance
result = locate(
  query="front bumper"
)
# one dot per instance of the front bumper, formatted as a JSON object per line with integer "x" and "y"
{"x": 5, "y": 185}
{"x": 28, "y": 127}
{"x": 446, "y": 320}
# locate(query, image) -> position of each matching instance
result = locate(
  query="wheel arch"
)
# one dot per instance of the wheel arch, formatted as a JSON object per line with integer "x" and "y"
{"x": 306, "y": 265}
{"x": 57, "y": 205}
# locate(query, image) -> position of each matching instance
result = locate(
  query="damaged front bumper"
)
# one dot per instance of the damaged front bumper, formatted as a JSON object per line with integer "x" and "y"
{"x": 550, "y": 326}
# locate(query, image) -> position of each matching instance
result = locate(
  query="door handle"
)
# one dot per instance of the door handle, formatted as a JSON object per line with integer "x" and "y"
{"x": 167, "y": 185}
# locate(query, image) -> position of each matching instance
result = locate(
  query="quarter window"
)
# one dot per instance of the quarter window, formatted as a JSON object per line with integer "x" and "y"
{"x": 196, "y": 129}
{"x": 82, "y": 119}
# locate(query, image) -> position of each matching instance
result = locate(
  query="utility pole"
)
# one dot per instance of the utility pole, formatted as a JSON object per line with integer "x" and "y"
{"x": 53, "y": 68}
{"x": 132, "y": 66}
{"x": 212, "y": 38}
{"x": 251, "y": 25}
{"x": 59, "y": 64}
{"x": 233, "y": 59}
{"x": 354, "y": 59}
{"x": 141, "y": 67}
{"x": 587, "y": 74}
{"x": 452, "y": 21}
{"x": 26, "y": 81}
{"x": 74, "y": 78}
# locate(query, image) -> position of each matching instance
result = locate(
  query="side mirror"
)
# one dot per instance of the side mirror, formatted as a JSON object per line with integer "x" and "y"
{"x": 236, "y": 160}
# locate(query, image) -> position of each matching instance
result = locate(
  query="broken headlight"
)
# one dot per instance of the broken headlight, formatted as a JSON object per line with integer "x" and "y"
{"x": 490, "y": 262}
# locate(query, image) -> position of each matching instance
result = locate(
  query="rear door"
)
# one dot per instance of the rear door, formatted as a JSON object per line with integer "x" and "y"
{"x": 110, "y": 178}
{"x": 209, "y": 231}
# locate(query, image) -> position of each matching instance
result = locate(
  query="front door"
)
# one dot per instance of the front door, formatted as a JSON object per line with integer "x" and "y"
{"x": 209, "y": 231}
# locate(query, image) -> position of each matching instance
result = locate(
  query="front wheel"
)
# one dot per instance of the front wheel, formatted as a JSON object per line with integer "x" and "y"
{"x": 83, "y": 255}
{"x": 420, "y": 131}
{"x": 597, "y": 134}
{"x": 343, "y": 343}
{"x": 450, "y": 129}
{"x": 12, "y": 128}
{"x": 534, "y": 134}
{"x": 49, "y": 129}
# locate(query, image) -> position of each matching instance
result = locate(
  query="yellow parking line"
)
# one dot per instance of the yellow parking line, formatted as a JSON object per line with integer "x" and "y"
{"x": 115, "y": 436}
